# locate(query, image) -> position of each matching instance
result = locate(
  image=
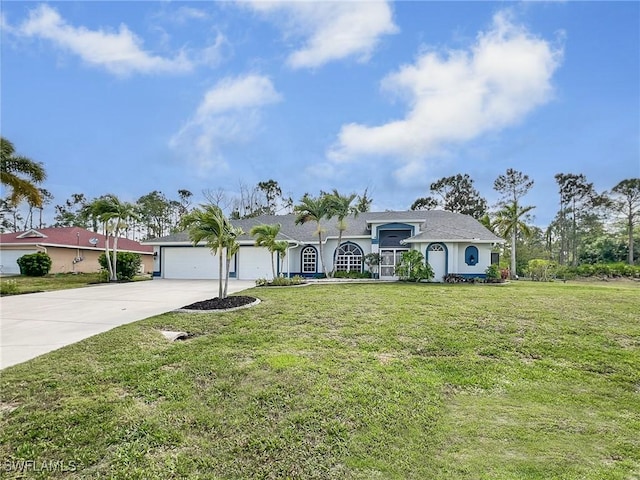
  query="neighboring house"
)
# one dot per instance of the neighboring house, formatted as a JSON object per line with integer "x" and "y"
{"x": 72, "y": 249}
{"x": 450, "y": 242}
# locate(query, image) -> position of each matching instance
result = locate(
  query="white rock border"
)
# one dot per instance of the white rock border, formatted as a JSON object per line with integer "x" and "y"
{"x": 219, "y": 310}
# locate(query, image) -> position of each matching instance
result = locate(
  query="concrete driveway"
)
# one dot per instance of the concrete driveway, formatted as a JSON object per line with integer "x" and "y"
{"x": 38, "y": 323}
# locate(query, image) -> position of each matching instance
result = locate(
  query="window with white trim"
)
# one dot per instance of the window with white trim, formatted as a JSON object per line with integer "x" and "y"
{"x": 309, "y": 260}
{"x": 349, "y": 258}
{"x": 436, "y": 247}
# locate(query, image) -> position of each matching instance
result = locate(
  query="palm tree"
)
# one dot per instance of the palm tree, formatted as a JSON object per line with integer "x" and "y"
{"x": 118, "y": 215}
{"x": 281, "y": 247}
{"x": 14, "y": 169}
{"x": 266, "y": 237}
{"x": 232, "y": 246}
{"x": 98, "y": 209}
{"x": 509, "y": 221}
{"x": 209, "y": 224}
{"x": 340, "y": 207}
{"x": 313, "y": 209}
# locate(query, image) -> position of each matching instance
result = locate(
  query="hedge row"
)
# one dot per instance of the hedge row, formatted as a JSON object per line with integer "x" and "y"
{"x": 547, "y": 270}
{"x": 599, "y": 270}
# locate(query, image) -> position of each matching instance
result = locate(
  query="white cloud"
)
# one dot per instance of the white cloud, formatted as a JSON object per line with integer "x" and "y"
{"x": 184, "y": 14}
{"x": 214, "y": 54}
{"x": 330, "y": 30}
{"x": 457, "y": 96}
{"x": 120, "y": 53}
{"x": 229, "y": 113}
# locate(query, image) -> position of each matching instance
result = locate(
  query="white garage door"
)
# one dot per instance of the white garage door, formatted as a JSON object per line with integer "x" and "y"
{"x": 9, "y": 260}
{"x": 195, "y": 263}
{"x": 254, "y": 262}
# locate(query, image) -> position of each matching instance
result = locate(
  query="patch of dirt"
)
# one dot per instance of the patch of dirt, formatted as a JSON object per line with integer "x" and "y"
{"x": 221, "y": 303}
{"x": 6, "y": 408}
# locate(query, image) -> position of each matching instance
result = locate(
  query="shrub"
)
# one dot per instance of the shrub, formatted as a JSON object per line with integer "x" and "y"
{"x": 8, "y": 287}
{"x": 35, "y": 264}
{"x": 412, "y": 267}
{"x": 493, "y": 273}
{"x": 127, "y": 264}
{"x": 541, "y": 270}
{"x": 453, "y": 278}
{"x": 352, "y": 275}
{"x": 280, "y": 281}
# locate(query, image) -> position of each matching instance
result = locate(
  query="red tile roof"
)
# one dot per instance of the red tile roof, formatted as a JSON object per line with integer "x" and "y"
{"x": 72, "y": 237}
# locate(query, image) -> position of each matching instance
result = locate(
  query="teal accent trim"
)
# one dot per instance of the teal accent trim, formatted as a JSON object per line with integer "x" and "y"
{"x": 446, "y": 255}
{"x": 375, "y": 241}
{"x": 471, "y": 255}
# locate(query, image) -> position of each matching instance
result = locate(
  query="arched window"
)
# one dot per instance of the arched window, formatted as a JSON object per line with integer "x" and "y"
{"x": 471, "y": 255}
{"x": 436, "y": 247}
{"x": 309, "y": 260}
{"x": 349, "y": 258}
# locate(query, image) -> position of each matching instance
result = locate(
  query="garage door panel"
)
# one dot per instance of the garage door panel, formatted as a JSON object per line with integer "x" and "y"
{"x": 9, "y": 260}
{"x": 253, "y": 263}
{"x": 196, "y": 263}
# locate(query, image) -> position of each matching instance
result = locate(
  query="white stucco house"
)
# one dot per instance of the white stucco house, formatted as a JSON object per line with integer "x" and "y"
{"x": 452, "y": 244}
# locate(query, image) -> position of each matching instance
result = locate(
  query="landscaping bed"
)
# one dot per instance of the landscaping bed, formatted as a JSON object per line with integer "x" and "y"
{"x": 217, "y": 303}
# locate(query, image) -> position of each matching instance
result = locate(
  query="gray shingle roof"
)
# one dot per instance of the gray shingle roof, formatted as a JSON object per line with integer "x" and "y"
{"x": 435, "y": 225}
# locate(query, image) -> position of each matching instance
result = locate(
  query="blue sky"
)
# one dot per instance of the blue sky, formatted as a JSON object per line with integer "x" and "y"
{"x": 130, "y": 97}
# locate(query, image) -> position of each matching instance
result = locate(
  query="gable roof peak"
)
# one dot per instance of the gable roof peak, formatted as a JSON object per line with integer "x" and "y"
{"x": 32, "y": 233}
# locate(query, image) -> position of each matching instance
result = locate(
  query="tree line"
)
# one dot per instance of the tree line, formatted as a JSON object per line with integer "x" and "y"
{"x": 589, "y": 227}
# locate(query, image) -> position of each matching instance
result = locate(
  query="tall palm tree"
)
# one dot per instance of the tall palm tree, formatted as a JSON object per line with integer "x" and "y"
{"x": 210, "y": 225}
{"x": 340, "y": 206}
{"x": 20, "y": 174}
{"x": 281, "y": 248}
{"x": 509, "y": 221}
{"x": 117, "y": 216}
{"x": 232, "y": 246}
{"x": 98, "y": 209}
{"x": 311, "y": 209}
{"x": 265, "y": 236}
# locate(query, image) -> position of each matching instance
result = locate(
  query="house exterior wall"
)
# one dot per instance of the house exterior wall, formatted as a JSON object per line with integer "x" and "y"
{"x": 62, "y": 259}
{"x": 483, "y": 260}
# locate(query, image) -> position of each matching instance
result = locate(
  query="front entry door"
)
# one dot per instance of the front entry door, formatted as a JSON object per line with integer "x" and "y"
{"x": 389, "y": 258}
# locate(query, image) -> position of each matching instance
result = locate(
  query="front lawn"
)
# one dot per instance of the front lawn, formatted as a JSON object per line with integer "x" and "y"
{"x": 346, "y": 381}
{"x": 58, "y": 281}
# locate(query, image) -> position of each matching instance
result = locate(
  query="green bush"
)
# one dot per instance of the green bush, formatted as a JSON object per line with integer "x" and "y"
{"x": 35, "y": 264}
{"x": 493, "y": 273}
{"x": 127, "y": 264}
{"x": 541, "y": 270}
{"x": 412, "y": 267}
{"x": 618, "y": 269}
{"x": 280, "y": 281}
{"x": 352, "y": 275}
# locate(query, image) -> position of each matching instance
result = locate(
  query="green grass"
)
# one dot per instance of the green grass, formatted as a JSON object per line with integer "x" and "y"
{"x": 349, "y": 381}
{"x": 58, "y": 281}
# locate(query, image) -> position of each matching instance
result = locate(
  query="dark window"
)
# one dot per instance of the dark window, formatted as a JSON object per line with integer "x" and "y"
{"x": 392, "y": 238}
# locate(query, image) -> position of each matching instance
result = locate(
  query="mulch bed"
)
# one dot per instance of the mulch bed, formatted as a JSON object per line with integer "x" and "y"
{"x": 221, "y": 303}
